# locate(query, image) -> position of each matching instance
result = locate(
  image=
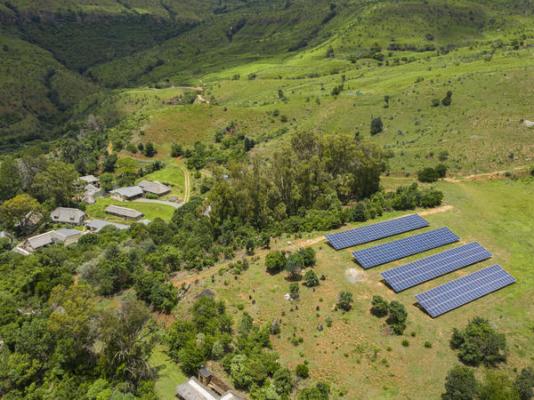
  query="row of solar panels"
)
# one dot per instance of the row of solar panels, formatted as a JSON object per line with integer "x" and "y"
{"x": 443, "y": 298}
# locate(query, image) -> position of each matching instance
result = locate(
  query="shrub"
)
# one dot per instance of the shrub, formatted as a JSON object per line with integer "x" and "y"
{"x": 379, "y": 306}
{"x": 176, "y": 150}
{"x": 441, "y": 170}
{"x": 150, "y": 150}
{"x": 311, "y": 279}
{"x": 447, "y": 100}
{"x": 405, "y": 343}
{"x": 428, "y": 345}
{"x": 479, "y": 344}
{"x": 308, "y": 256}
{"x": 460, "y": 384}
{"x": 377, "y": 126}
{"x": 302, "y": 371}
{"x": 275, "y": 262}
{"x": 427, "y": 175}
{"x": 397, "y": 317}
{"x": 345, "y": 301}
{"x": 294, "y": 291}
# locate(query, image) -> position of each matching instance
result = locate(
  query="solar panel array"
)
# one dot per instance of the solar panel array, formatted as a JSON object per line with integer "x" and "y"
{"x": 377, "y": 231}
{"x": 426, "y": 269}
{"x": 461, "y": 291}
{"x": 396, "y": 250}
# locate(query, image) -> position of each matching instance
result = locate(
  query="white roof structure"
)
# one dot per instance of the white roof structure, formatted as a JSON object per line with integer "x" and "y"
{"x": 89, "y": 179}
{"x": 96, "y": 225}
{"x": 45, "y": 239}
{"x": 4, "y": 235}
{"x": 194, "y": 390}
{"x": 155, "y": 187}
{"x": 42, "y": 240}
{"x": 128, "y": 192}
{"x": 60, "y": 235}
{"x": 67, "y": 215}
{"x": 123, "y": 212}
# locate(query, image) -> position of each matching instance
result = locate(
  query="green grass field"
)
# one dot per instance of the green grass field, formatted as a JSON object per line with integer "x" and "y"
{"x": 168, "y": 373}
{"x": 172, "y": 175}
{"x": 356, "y": 354}
{"x": 151, "y": 211}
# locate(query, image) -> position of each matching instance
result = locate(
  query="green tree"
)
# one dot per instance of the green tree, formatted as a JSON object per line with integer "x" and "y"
{"x": 294, "y": 291}
{"x": 150, "y": 150}
{"x": 479, "y": 344}
{"x": 344, "y": 301}
{"x": 397, "y": 317}
{"x": 524, "y": 384}
{"x": 56, "y": 183}
{"x": 283, "y": 381}
{"x": 379, "y": 306}
{"x": 447, "y": 100}
{"x": 377, "y": 126}
{"x": 311, "y": 279}
{"x": 10, "y": 179}
{"x": 302, "y": 371}
{"x": 308, "y": 256}
{"x": 427, "y": 175}
{"x": 460, "y": 384}
{"x": 275, "y": 262}
{"x": 294, "y": 265}
{"x": 17, "y": 212}
{"x": 498, "y": 386}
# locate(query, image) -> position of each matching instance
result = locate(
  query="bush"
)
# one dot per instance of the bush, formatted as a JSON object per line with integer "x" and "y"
{"x": 427, "y": 175}
{"x": 308, "y": 256}
{"x": 479, "y": 344}
{"x": 377, "y": 126}
{"x": 302, "y": 371}
{"x": 176, "y": 150}
{"x": 294, "y": 291}
{"x": 405, "y": 343}
{"x": 379, "y": 306}
{"x": 275, "y": 262}
{"x": 345, "y": 301}
{"x": 311, "y": 279}
{"x": 397, "y": 317}
{"x": 447, "y": 100}
{"x": 460, "y": 384}
{"x": 150, "y": 150}
{"x": 441, "y": 170}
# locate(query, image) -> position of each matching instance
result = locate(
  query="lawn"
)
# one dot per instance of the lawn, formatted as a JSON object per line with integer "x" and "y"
{"x": 169, "y": 374}
{"x": 172, "y": 175}
{"x": 356, "y": 355}
{"x": 151, "y": 211}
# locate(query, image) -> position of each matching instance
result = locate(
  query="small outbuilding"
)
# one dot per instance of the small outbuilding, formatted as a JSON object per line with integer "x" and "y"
{"x": 155, "y": 188}
{"x": 90, "y": 179}
{"x": 31, "y": 244}
{"x": 124, "y": 212}
{"x": 127, "y": 193}
{"x": 65, "y": 215}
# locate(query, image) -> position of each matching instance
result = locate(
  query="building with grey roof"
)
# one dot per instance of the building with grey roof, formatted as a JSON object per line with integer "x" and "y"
{"x": 90, "y": 179}
{"x": 206, "y": 387}
{"x": 127, "y": 193}
{"x": 156, "y": 188}
{"x": 96, "y": 225}
{"x": 123, "y": 212}
{"x": 91, "y": 192}
{"x": 64, "y": 236}
{"x": 67, "y": 215}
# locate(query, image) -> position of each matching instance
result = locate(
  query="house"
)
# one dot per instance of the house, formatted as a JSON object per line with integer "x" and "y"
{"x": 90, "y": 180}
{"x": 31, "y": 244}
{"x": 155, "y": 188}
{"x": 206, "y": 387}
{"x": 126, "y": 193}
{"x": 96, "y": 225}
{"x": 91, "y": 192}
{"x": 66, "y": 215}
{"x": 123, "y": 212}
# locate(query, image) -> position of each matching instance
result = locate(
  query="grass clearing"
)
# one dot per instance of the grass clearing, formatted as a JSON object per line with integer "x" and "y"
{"x": 151, "y": 211}
{"x": 169, "y": 374}
{"x": 353, "y": 354}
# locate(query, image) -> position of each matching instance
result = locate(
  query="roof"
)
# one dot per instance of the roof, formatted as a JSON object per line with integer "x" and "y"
{"x": 64, "y": 233}
{"x": 67, "y": 215}
{"x": 123, "y": 212}
{"x": 89, "y": 179}
{"x": 98, "y": 224}
{"x": 38, "y": 241}
{"x": 194, "y": 390}
{"x": 128, "y": 192}
{"x": 204, "y": 372}
{"x": 91, "y": 189}
{"x": 154, "y": 187}
{"x": 4, "y": 235}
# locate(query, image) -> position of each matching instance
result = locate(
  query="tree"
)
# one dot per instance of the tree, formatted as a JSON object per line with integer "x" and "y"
{"x": 294, "y": 265}
{"x": 308, "y": 256}
{"x": 441, "y": 170}
{"x": 302, "y": 371}
{"x": 56, "y": 183}
{"x": 460, "y": 384}
{"x": 176, "y": 150}
{"x": 106, "y": 182}
{"x": 379, "y": 306}
{"x": 150, "y": 150}
{"x": 311, "y": 279}
{"x": 397, "y": 317}
{"x": 525, "y": 384}
{"x": 344, "y": 301}
{"x": 110, "y": 161}
{"x": 10, "y": 179}
{"x": 275, "y": 262}
{"x": 283, "y": 381}
{"x": 479, "y": 344}
{"x": 128, "y": 337}
{"x": 17, "y": 212}
{"x": 377, "y": 126}
{"x": 294, "y": 291}
{"x": 447, "y": 100}
{"x": 427, "y": 175}
{"x": 321, "y": 391}
{"x": 498, "y": 386}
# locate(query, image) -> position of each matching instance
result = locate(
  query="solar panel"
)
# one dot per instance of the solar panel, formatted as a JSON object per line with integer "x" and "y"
{"x": 426, "y": 269}
{"x": 461, "y": 291}
{"x": 384, "y": 253}
{"x": 377, "y": 231}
